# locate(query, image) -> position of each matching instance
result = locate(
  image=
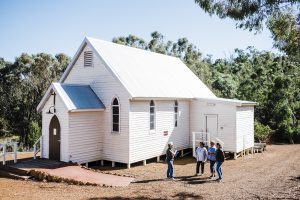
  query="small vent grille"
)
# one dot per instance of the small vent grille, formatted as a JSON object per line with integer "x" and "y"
{"x": 88, "y": 59}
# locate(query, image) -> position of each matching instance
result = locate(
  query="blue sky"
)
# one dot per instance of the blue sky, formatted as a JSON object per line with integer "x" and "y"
{"x": 56, "y": 26}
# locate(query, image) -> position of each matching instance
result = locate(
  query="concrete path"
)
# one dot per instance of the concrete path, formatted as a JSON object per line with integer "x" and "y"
{"x": 84, "y": 175}
{"x": 67, "y": 171}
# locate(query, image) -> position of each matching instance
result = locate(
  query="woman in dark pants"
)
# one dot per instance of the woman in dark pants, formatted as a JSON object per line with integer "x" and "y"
{"x": 212, "y": 158}
{"x": 219, "y": 161}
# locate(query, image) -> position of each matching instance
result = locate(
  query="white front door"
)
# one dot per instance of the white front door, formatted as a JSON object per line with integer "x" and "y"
{"x": 211, "y": 122}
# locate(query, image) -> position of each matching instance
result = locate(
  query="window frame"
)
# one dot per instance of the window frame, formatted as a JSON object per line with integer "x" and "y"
{"x": 112, "y": 115}
{"x": 154, "y": 117}
{"x": 176, "y": 113}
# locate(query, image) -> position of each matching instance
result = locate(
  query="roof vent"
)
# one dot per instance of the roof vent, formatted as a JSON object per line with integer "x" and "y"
{"x": 88, "y": 59}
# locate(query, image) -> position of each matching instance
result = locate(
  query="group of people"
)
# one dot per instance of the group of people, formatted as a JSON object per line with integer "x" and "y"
{"x": 214, "y": 155}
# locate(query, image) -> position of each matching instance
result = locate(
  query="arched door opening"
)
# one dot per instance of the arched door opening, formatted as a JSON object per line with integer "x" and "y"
{"x": 54, "y": 139}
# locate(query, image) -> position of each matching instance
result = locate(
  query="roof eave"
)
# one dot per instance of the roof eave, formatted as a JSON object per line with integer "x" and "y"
{"x": 233, "y": 102}
{"x": 250, "y": 104}
{"x": 44, "y": 100}
{"x": 48, "y": 94}
{"x": 87, "y": 110}
{"x": 159, "y": 98}
{"x": 74, "y": 59}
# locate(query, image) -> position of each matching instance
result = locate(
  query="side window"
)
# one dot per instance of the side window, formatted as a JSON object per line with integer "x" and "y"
{"x": 115, "y": 115}
{"x": 88, "y": 59}
{"x": 175, "y": 113}
{"x": 152, "y": 115}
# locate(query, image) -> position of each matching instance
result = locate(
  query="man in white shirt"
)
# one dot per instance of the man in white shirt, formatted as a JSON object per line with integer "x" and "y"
{"x": 201, "y": 156}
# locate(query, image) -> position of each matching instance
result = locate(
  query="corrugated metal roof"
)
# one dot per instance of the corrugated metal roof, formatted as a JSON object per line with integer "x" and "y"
{"x": 75, "y": 97}
{"x": 147, "y": 74}
{"x": 82, "y": 96}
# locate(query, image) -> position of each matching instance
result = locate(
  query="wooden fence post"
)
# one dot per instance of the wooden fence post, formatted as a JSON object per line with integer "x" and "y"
{"x": 3, "y": 153}
{"x": 15, "y": 151}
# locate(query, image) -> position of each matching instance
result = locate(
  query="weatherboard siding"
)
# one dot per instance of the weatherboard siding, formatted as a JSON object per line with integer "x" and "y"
{"x": 85, "y": 136}
{"x": 245, "y": 127}
{"x": 115, "y": 146}
{"x": 226, "y": 121}
{"x": 62, "y": 115}
{"x": 145, "y": 144}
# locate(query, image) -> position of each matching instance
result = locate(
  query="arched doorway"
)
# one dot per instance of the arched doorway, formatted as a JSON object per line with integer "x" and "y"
{"x": 54, "y": 139}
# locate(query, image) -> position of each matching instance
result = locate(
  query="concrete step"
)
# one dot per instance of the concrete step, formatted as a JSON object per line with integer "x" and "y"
{"x": 13, "y": 170}
{"x": 11, "y": 175}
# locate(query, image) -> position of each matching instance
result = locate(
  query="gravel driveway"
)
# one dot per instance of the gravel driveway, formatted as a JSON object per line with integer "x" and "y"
{"x": 274, "y": 174}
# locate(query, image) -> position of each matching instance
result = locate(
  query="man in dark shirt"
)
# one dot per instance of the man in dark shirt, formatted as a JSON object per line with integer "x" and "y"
{"x": 170, "y": 155}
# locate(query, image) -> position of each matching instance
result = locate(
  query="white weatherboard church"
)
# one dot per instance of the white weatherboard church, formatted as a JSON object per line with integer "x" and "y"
{"x": 123, "y": 104}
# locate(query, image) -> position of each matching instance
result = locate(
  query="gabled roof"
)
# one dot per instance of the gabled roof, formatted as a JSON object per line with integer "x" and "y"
{"x": 145, "y": 74}
{"x": 75, "y": 97}
{"x": 235, "y": 102}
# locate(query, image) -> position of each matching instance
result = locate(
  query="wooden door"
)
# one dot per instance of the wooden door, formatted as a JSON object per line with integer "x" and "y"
{"x": 54, "y": 139}
{"x": 212, "y": 124}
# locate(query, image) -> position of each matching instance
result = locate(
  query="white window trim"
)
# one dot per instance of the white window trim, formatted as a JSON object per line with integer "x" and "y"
{"x": 176, "y": 114}
{"x": 111, "y": 113}
{"x": 152, "y": 131}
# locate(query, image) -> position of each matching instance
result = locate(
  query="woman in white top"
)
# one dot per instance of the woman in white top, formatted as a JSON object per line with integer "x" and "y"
{"x": 201, "y": 156}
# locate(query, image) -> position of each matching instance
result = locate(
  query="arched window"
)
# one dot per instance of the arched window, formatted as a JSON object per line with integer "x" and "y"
{"x": 175, "y": 113}
{"x": 152, "y": 115}
{"x": 115, "y": 115}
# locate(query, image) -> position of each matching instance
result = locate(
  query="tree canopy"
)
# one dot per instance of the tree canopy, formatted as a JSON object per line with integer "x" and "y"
{"x": 282, "y": 17}
{"x": 22, "y": 85}
{"x": 261, "y": 76}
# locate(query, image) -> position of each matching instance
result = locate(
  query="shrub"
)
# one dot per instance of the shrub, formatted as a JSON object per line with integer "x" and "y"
{"x": 34, "y": 133}
{"x": 4, "y": 127}
{"x": 262, "y": 132}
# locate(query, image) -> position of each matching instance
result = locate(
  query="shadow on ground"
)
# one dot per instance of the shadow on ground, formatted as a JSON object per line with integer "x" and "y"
{"x": 180, "y": 195}
{"x": 189, "y": 179}
{"x": 296, "y": 178}
{"x": 187, "y": 159}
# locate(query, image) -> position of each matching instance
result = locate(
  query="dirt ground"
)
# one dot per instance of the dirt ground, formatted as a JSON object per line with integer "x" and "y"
{"x": 274, "y": 174}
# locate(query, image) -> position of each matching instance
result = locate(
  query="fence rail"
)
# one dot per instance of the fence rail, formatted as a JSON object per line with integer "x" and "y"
{"x": 3, "y": 149}
{"x": 37, "y": 147}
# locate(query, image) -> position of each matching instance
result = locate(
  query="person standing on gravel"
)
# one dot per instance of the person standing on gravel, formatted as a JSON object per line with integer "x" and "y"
{"x": 212, "y": 158}
{"x": 201, "y": 156}
{"x": 219, "y": 161}
{"x": 170, "y": 155}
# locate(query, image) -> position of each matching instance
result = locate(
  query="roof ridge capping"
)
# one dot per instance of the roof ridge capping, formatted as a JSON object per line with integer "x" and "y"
{"x": 129, "y": 47}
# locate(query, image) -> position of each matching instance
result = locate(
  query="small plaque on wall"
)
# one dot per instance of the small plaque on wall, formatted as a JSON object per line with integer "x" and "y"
{"x": 166, "y": 133}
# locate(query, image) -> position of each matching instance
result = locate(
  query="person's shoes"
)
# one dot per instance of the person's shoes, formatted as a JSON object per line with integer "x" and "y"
{"x": 220, "y": 180}
{"x": 201, "y": 175}
{"x": 197, "y": 174}
{"x": 172, "y": 179}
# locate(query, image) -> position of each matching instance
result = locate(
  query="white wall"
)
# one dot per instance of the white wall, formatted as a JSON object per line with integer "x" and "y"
{"x": 226, "y": 121}
{"x": 62, "y": 115}
{"x": 85, "y": 137}
{"x": 106, "y": 86}
{"x": 145, "y": 145}
{"x": 245, "y": 127}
